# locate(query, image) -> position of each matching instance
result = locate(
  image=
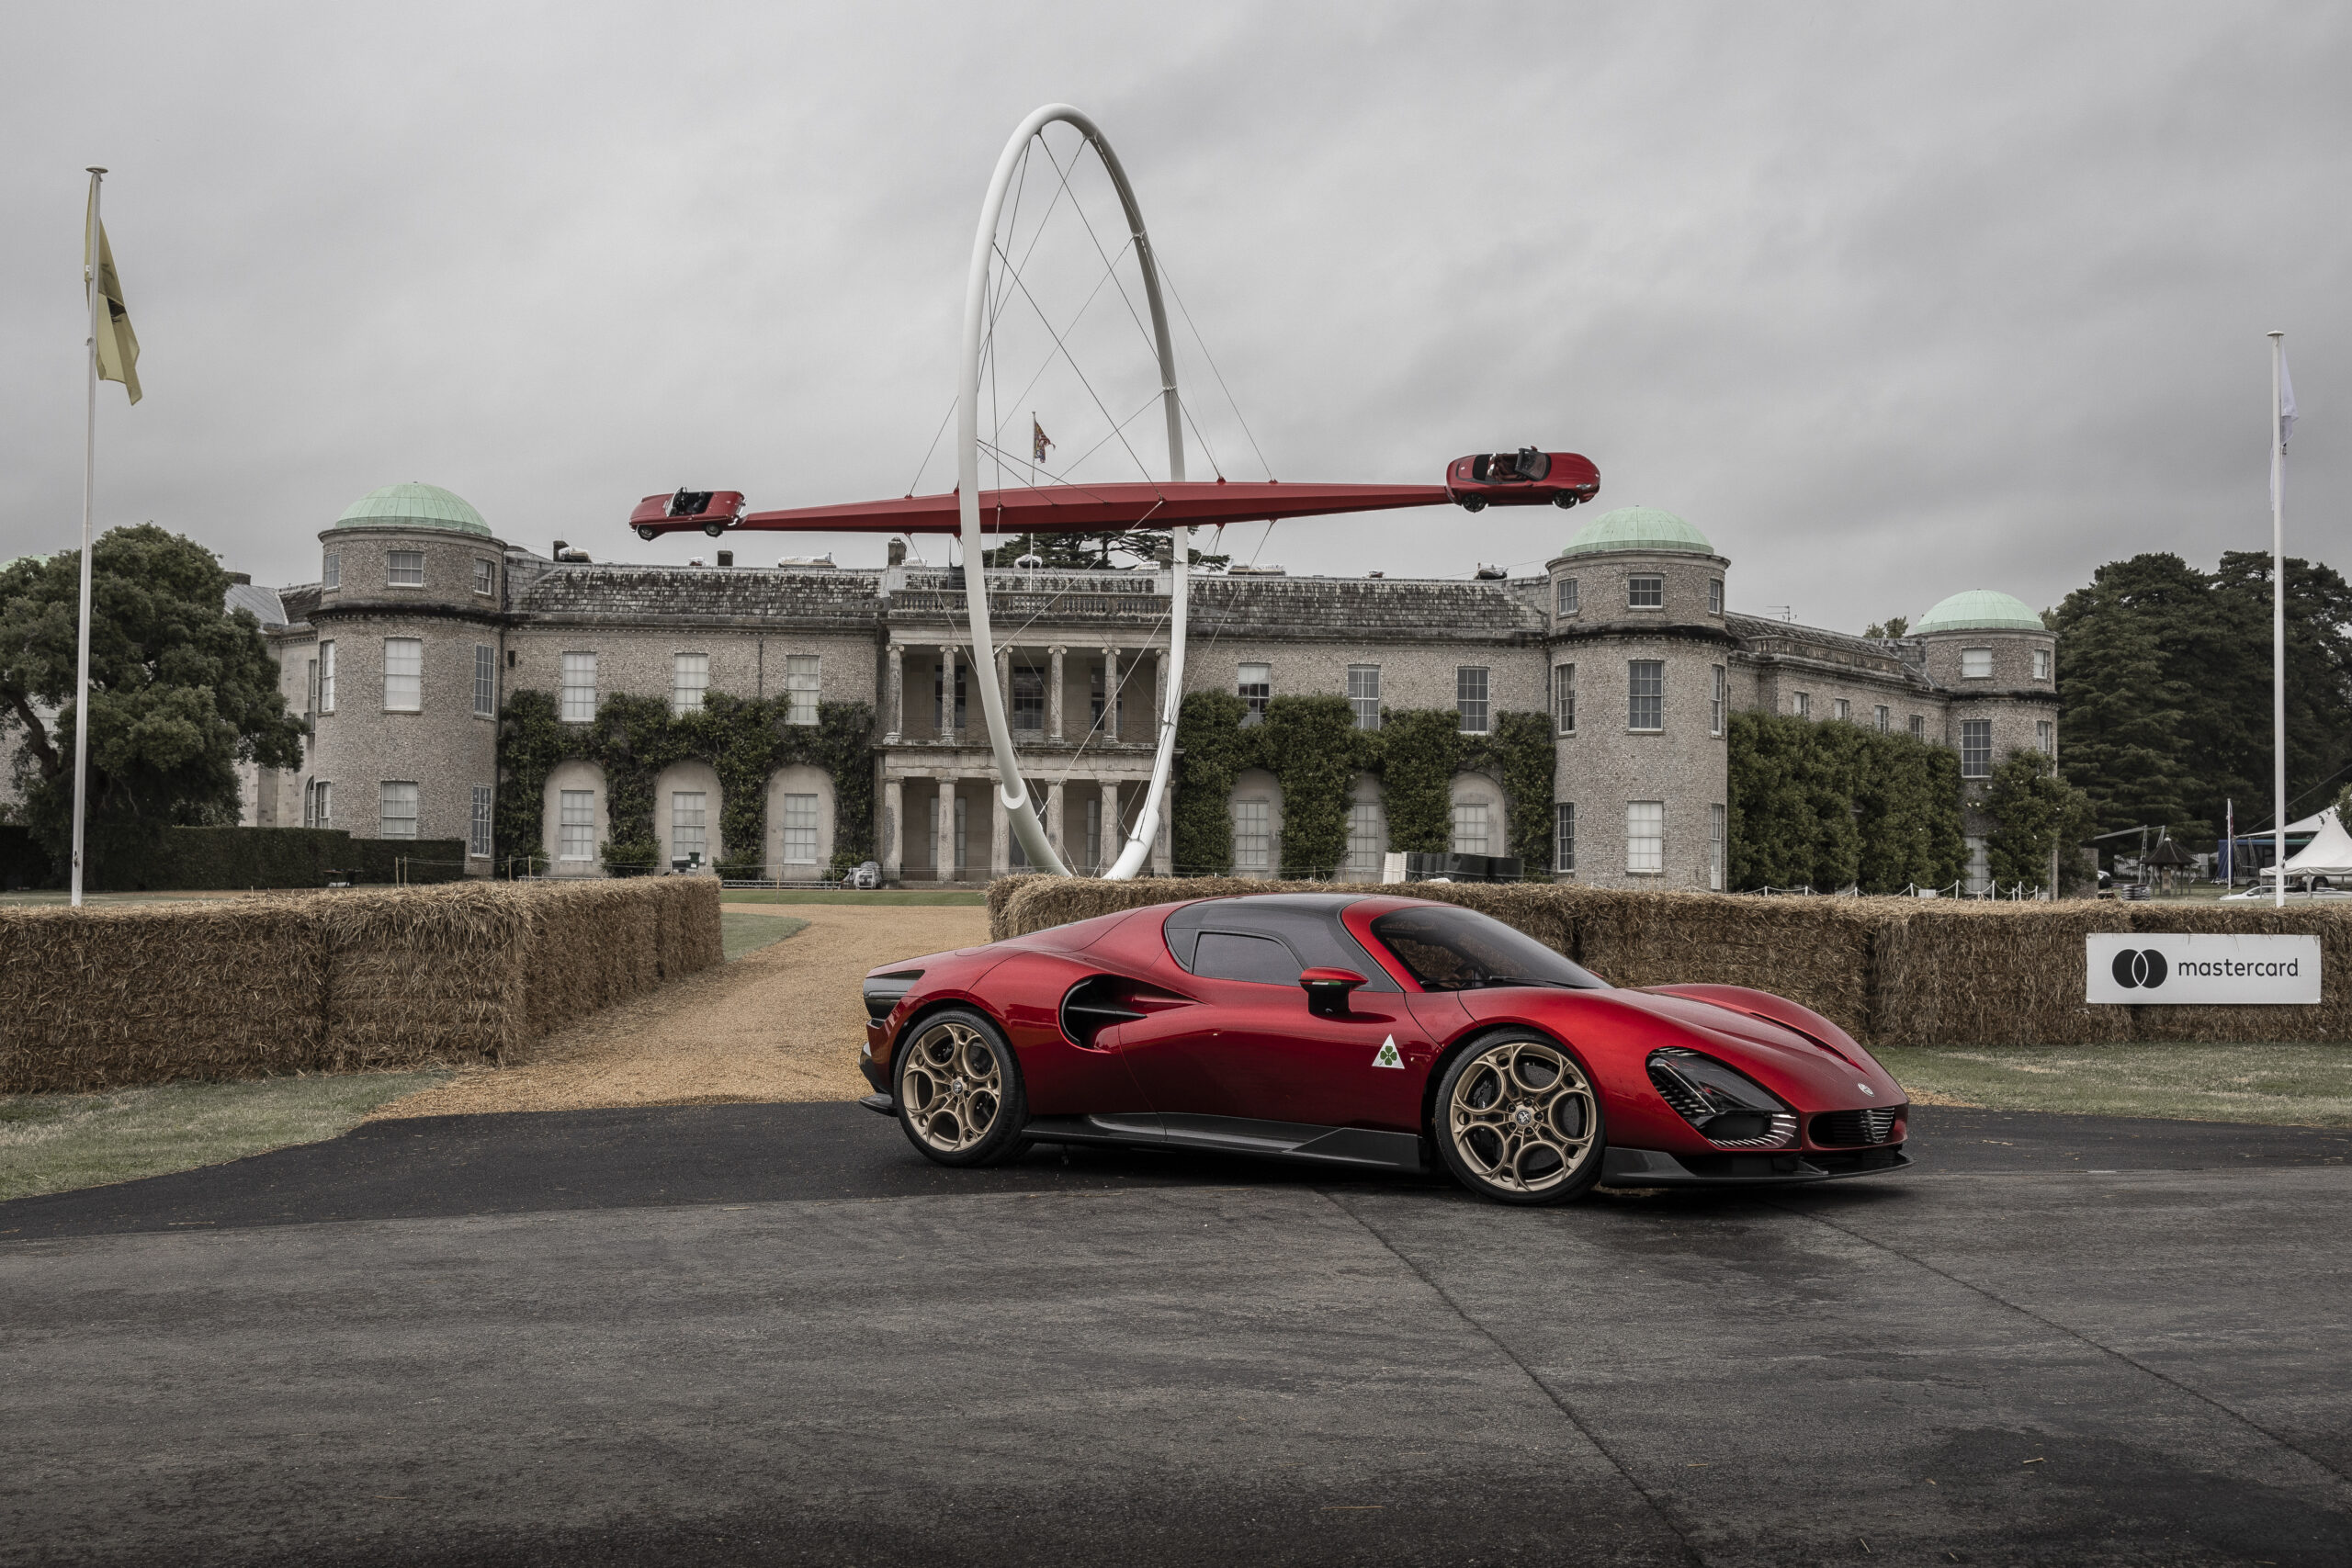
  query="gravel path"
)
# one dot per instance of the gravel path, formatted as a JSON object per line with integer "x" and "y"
{"x": 782, "y": 1023}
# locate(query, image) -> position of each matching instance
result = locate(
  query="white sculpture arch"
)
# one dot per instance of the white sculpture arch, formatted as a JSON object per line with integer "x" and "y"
{"x": 1011, "y": 790}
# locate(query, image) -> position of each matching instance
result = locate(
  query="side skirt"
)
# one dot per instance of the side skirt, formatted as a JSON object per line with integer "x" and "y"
{"x": 1359, "y": 1147}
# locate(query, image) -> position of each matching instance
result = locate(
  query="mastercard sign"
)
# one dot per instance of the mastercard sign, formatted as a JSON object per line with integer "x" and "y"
{"x": 2148, "y": 968}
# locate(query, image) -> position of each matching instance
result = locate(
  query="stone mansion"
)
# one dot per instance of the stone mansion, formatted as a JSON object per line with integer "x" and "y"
{"x": 423, "y": 623}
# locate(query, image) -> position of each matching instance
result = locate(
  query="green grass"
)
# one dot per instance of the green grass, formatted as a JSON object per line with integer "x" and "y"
{"x": 42, "y": 899}
{"x": 2308, "y": 1086}
{"x": 741, "y": 933}
{"x": 50, "y": 1142}
{"x": 959, "y": 897}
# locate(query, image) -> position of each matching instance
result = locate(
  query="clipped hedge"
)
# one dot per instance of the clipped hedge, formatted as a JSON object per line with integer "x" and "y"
{"x": 218, "y": 859}
{"x": 335, "y": 982}
{"x": 1889, "y": 971}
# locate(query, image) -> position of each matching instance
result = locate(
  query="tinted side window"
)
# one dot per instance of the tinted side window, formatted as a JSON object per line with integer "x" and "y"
{"x": 1225, "y": 955}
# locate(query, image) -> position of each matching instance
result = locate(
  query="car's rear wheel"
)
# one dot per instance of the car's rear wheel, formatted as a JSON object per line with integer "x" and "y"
{"x": 714, "y": 529}
{"x": 1518, "y": 1120}
{"x": 1474, "y": 503}
{"x": 1566, "y": 499}
{"x": 960, "y": 1093}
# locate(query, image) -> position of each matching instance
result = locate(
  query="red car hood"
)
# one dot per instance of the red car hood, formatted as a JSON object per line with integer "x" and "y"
{"x": 1829, "y": 1073}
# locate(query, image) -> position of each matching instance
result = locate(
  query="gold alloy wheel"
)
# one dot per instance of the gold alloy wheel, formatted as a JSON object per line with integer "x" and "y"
{"x": 1522, "y": 1116}
{"x": 952, "y": 1087}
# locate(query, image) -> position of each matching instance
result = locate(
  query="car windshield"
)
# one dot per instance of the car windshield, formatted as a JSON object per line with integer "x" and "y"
{"x": 1461, "y": 949}
{"x": 1526, "y": 463}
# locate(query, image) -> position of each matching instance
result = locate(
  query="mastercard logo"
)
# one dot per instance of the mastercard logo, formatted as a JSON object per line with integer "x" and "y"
{"x": 2135, "y": 968}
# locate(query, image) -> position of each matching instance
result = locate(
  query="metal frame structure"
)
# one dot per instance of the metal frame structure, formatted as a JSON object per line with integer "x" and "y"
{"x": 1013, "y": 790}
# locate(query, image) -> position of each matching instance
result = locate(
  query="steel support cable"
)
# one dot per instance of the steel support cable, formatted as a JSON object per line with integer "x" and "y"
{"x": 1046, "y": 363}
{"x": 1071, "y": 360}
{"x": 1203, "y": 343}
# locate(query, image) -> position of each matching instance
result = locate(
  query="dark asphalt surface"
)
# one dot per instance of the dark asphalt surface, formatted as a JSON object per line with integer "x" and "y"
{"x": 773, "y": 1334}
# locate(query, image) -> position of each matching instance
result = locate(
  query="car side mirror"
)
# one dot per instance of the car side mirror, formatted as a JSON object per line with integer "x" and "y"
{"x": 1327, "y": 990}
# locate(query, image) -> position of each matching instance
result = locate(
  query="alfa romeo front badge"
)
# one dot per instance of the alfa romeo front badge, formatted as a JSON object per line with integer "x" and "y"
{"x": 1867, "y": 1090}
{"x": 1386, "y": 1056}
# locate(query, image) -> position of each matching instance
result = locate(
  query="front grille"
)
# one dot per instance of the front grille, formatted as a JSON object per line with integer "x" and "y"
{"x": 1854, "y": 1129}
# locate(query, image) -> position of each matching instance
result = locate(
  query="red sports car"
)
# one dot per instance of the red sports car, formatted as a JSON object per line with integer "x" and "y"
{"x": 1369, "y": 1033}
{"x": 1524, "y": 478}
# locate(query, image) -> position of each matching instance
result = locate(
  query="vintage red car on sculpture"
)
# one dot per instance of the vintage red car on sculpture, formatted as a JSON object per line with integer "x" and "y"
{"x": 1524, "y": 478}
{"x": 1371, "y": 1032}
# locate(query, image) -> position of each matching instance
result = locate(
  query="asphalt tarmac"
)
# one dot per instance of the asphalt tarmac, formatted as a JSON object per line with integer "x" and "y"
{"x": 773, "y": 1334}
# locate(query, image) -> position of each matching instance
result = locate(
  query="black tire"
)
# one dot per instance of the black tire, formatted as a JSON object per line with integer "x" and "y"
{"x": 648, "y": 531}
{"x": 1507, "y": 1134}
{"x": 1566, "y": 499}
{"x": 714, "y": 529}
{"x": 1474, "y": 503}
{"x": 958, "y": 1090}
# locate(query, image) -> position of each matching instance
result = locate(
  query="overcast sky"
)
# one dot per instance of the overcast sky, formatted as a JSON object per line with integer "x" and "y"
{"x": 1888, "y": 300}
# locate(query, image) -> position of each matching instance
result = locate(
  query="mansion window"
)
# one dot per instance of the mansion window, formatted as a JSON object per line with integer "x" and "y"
{"x": 801, "y": 688}
{"x": 1363, "y": 695}
{"x": 1646, "y": 837}
{"x": 2045, "y": 737}
{"x": 1840, "y": 710}
{"x": 485, "y": 681}
{"x": 689, "y": 678}
{"x": 485, "y": 577}
{"x": 939, "y": 714}
{"x": 1918, "y": 728}
{"x": 326, "y": 676}
{"x": 1563, "y": 698}
{"x": 1976, "y": 663}
{"x": 1564, "y": 836}
{"x": 1646, "y": 592}
{"x": 1565, "y": 597}
{"x": 331, "y": 570}
{"x": 1800, "y": 703}
{"x": 396, "y": 809}
{"x": 1254, "y": 684}
{"x": 1254, "y": 838}
{"x": 1881, "y": 714}
{"x": 404, "y": 568}
{"x": 404, "y": 674}
{"x": 318, "y": 804}
{"x": 1715, "y": 848}
{"x": 1366, "y": 842}
{"x": 1470, "y": 827}
{"x": 478, "y": 825}
{"x": 1028, "y": 700}
{"x": 576, "y": 825}
{"x": 1980, "y": 864}
{"x": 1470, "y": 698}
{"x": 579, "y": 688}
{"x": 1976, "y": 748}
{"x": 1715, "y": 704}
{"x": 1715, "y": 596}
{"x": 689, "y": 825}
{"x": 2041, "y": 664}
{"x": 800, "y": 829}
{"x": 1645, "y": 684}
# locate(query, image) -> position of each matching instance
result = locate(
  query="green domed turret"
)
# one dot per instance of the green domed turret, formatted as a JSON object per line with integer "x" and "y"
{"x": 1638, "y": 528}
{"x": 412, "y": 505}
{"x": 1978, "y": 610}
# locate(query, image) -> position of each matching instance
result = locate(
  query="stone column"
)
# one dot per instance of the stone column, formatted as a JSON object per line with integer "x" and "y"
{"x": 943, "y": 833}
{"x": 1054, "y": 694}
{"x": 1000, "y": 833}
{"x": 894, "y": 817}
{"x": 947, "y": 692}
{"x": 1111, "y": 694}
{"x": 1054, "y": 834}
{"x": 1162, "y": 856}
{"x": 894, "y": 697}
{"x": 1111, "y": 836}
{"x": 1158, "y": 690}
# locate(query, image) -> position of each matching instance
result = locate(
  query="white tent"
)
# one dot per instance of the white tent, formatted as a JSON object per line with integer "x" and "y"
{"x": 2328, "y": 854}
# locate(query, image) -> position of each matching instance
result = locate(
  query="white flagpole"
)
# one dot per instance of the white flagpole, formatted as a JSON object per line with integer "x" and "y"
{"x": 89, "y": 486}
{"x": 2277, "y": 620}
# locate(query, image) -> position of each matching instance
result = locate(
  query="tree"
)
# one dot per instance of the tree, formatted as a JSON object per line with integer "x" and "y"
{"x": 182, "y": 691}
{"x": 1893, "y": 626}
{"x": 2037, "y": 814}
{"x": 1830, "y": 805}
{"x": 1092, "y": 552}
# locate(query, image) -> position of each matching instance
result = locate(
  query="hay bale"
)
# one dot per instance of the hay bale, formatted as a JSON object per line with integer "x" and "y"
{"x": 2330, "y": 1020}
{"x": 419, "y": 976}
{"x": 1815, "y": 952}
{"x": 1956, "y": 973}
{"x": 96, "y": 998}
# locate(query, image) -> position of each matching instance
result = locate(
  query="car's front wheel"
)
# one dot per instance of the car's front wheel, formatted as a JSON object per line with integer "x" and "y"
{"x": 1518, "y": 1120}
{"x": 1566, "y": 499}
{"x": 960, "y": 1099}
{"x": 1474, "y": 503}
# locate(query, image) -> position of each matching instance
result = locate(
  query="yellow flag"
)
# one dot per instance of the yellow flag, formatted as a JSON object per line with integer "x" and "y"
{"x": 117, "y": 344}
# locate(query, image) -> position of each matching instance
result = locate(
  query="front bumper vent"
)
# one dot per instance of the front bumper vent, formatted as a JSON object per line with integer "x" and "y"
{"x": 1854, "y": 1129}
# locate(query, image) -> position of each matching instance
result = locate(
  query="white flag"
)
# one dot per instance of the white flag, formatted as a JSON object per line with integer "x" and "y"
{"x": 2286, "y": 401}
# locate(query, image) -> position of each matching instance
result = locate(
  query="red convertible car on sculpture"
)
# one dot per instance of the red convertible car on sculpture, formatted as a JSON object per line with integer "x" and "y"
{"x": 1524, "y": 478}
{"x": 1366, "y": 1032}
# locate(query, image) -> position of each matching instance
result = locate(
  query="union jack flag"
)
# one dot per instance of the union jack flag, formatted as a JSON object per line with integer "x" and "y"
{"x": 1038, "y": 441}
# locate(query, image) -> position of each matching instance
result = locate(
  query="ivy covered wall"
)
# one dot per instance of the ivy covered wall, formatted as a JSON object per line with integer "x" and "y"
{"x": 745, "y": 739}
{"x": 1831, "y": 805}
{"x": 1314, "y": 749}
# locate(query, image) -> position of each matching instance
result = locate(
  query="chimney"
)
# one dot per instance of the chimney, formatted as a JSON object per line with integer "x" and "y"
{"x": 244, "y": 579}
{"x": 727, "y": 558}
{"x": 561, "y": 546}
{"x": 898, "y": 552}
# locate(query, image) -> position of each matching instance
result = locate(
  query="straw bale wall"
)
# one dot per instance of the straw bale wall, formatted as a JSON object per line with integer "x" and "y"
{"x": 99, "y": 998}
{"x": 1889, "y": 971}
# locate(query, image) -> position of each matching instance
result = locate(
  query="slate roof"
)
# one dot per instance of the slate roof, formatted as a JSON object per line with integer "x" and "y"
{"x": 1386, "y": 609}
{"x": 635, "y": 593}
{"x": 1762, "y": 638}
{"x": 263, "y": 601}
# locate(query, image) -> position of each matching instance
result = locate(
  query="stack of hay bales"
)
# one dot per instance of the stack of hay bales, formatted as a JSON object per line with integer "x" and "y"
{"x": 100, "y": 997}
{"x": 1889, "y": 971}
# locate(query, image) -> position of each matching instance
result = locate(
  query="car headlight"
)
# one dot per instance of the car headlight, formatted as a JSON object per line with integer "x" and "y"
{"x": 1726, "y": 1108}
